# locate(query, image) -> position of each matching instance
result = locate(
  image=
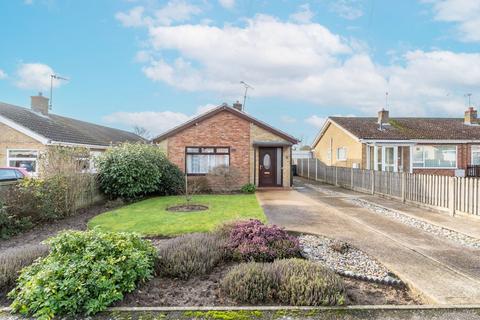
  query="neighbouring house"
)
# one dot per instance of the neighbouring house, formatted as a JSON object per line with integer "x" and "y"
{"x": 446, "y": 146}
{"x": 25, "y": 133}
{"x": 226, "y": 135}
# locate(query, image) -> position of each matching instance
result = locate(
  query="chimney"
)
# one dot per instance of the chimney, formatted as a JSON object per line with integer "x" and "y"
{"x": 237, "y": 105}
{"x": 39, "y": 104}
{"x": 383, "y": 117}
{"x": 471, "y": 116}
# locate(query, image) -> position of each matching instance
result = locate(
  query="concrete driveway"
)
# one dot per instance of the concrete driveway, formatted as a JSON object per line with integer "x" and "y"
{"x": 443, "y": 271}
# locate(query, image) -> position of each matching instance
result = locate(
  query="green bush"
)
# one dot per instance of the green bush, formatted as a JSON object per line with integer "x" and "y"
{"x": 291, "y": 282}
{"x": 191, "y": 254}
{"x": 10, "y": 224}
{"x": 13, "y": 260}
{"x": 248, "y": 188}
{"x": 84, "y": 273}
{"x": 173, "y": 180}
{"x": 131, "y": 171}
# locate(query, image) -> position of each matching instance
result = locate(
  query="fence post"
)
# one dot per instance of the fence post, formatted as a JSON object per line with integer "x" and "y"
{"x": 404, "y": 187}
{"x": 451, "y": 195}
{"x": 336, "y": 176}
{"x": 372, "y": 177}
{"x": 301, "y": 161}
{"x": 351, "y": 178}
{"x": 308, "y": 168}
{"x": 316, "y": 169}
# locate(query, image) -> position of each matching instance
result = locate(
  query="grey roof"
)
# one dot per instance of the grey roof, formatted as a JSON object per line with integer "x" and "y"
{"x": 66, "y": 130}
{"x": 410, "y": 128}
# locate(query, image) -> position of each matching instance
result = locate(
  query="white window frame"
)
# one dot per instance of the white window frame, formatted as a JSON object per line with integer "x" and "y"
{"x": 23, "y": 159}
{"x": 423, "y": 156}
{"x": 345, "y": 155}
{"x": 472, "y": 151}
{"x": 201, "y": 152}
{"x": 393, "y": 165}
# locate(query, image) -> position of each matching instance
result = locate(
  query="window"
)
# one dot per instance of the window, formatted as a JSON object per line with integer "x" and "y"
{"x": 389, "y": 164}
{"x": 23, "y": 159}
{"x": 341, "y": 154}
{"x": 475, "y": 155}
{"x": 435, "y": 157}
{"x": 201, "y": 160}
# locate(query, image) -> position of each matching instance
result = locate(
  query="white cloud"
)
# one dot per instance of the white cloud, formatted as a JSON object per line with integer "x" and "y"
{"x": 133, "y": 18}
{"x": 463, "y": 12}
{"x": 308, "y": 62}
{"x": 347, "y": 9}
{"x": 316, "y": 121}
{"x": 205, "y": 108}
{"x": 173, "y": 11}
{"x": 3, "y": 74}
{"x": 35, "y": 76}
{"x": 154, "y": 122}
{"x": 228, "y": 4}
{"x": 303, "y": 15}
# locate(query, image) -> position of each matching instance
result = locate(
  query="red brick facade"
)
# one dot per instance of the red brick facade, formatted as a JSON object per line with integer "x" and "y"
{"x": 222, "y": 130}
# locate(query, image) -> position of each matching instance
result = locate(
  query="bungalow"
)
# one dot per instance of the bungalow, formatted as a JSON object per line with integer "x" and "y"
{"x": 25, "y": 133}
{"x": 446, "y": 146}
{"x": 226, "y": 135}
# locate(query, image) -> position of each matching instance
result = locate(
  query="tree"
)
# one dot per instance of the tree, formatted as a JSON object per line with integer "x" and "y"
{"x": 142, "y": 132}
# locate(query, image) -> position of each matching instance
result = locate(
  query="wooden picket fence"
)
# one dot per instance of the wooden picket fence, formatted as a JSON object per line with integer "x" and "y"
{"x": 452, "y": 194}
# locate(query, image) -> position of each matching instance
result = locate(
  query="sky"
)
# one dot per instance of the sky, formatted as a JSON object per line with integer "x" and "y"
{"x": 155, "y": 64}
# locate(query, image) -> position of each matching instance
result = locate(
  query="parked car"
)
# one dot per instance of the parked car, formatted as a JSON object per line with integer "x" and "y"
{"x": 13, "y": 173}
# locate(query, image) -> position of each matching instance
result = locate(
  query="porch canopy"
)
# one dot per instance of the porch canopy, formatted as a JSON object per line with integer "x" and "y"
{"x": 387, "y": 155}
{"x": 271, "y": 144}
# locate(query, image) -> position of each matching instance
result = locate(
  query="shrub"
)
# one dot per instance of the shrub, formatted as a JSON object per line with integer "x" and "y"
{"x": 251, "y": 282}
{"x": 85, "y": 271}
{"x": 292, "y": 282}
{"x": 191, "y": 254}
{"x": 252, "y": 240}
{"x": 248, "y": 188}
{"x": 13, "y": 260}
{"x": 173, "y": 179}
{"x": 131, "y": 171}
{"x": 11, "y": 225}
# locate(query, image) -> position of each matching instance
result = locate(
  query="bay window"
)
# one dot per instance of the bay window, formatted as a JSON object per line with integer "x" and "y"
{"x": 22, "y": 158}
{"x": 440, "y": 156}
{"x": 201, "y": 160}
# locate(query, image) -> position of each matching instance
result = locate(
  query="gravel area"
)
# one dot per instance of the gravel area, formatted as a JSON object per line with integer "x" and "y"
{"x": 452, "y": 235}
{"x": 342, "y": 257}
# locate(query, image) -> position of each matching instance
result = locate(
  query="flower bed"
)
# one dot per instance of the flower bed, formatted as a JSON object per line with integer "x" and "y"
{"x": 191, "y": 270}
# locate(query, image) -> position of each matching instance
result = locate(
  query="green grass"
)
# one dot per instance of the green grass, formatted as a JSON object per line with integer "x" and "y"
{"x": 150, "y": 217}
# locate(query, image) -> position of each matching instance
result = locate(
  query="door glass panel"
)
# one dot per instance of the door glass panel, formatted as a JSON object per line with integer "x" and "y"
{"x": 267, "y": 162}
{"x": 389, "y": 159}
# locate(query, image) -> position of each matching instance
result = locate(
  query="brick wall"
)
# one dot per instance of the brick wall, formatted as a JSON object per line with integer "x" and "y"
{"x": 224, "y": 129}
{"x": 12, "y": 139}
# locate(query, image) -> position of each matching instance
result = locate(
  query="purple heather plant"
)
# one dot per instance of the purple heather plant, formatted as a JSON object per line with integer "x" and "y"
{"x": 254, "y": 241}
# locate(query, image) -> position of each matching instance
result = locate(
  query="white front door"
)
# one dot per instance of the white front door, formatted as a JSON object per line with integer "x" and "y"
{"x": 389, "y": 158}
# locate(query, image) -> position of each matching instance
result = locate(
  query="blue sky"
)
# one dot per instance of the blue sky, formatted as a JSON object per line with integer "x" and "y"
{"x": 156, "y": 63}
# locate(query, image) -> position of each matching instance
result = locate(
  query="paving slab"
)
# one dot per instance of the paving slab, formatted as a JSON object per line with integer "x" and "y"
{"x": 442, "y": 271}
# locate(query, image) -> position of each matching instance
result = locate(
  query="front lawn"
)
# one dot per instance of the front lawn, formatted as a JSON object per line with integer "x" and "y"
{"x": 150, "y": 217}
